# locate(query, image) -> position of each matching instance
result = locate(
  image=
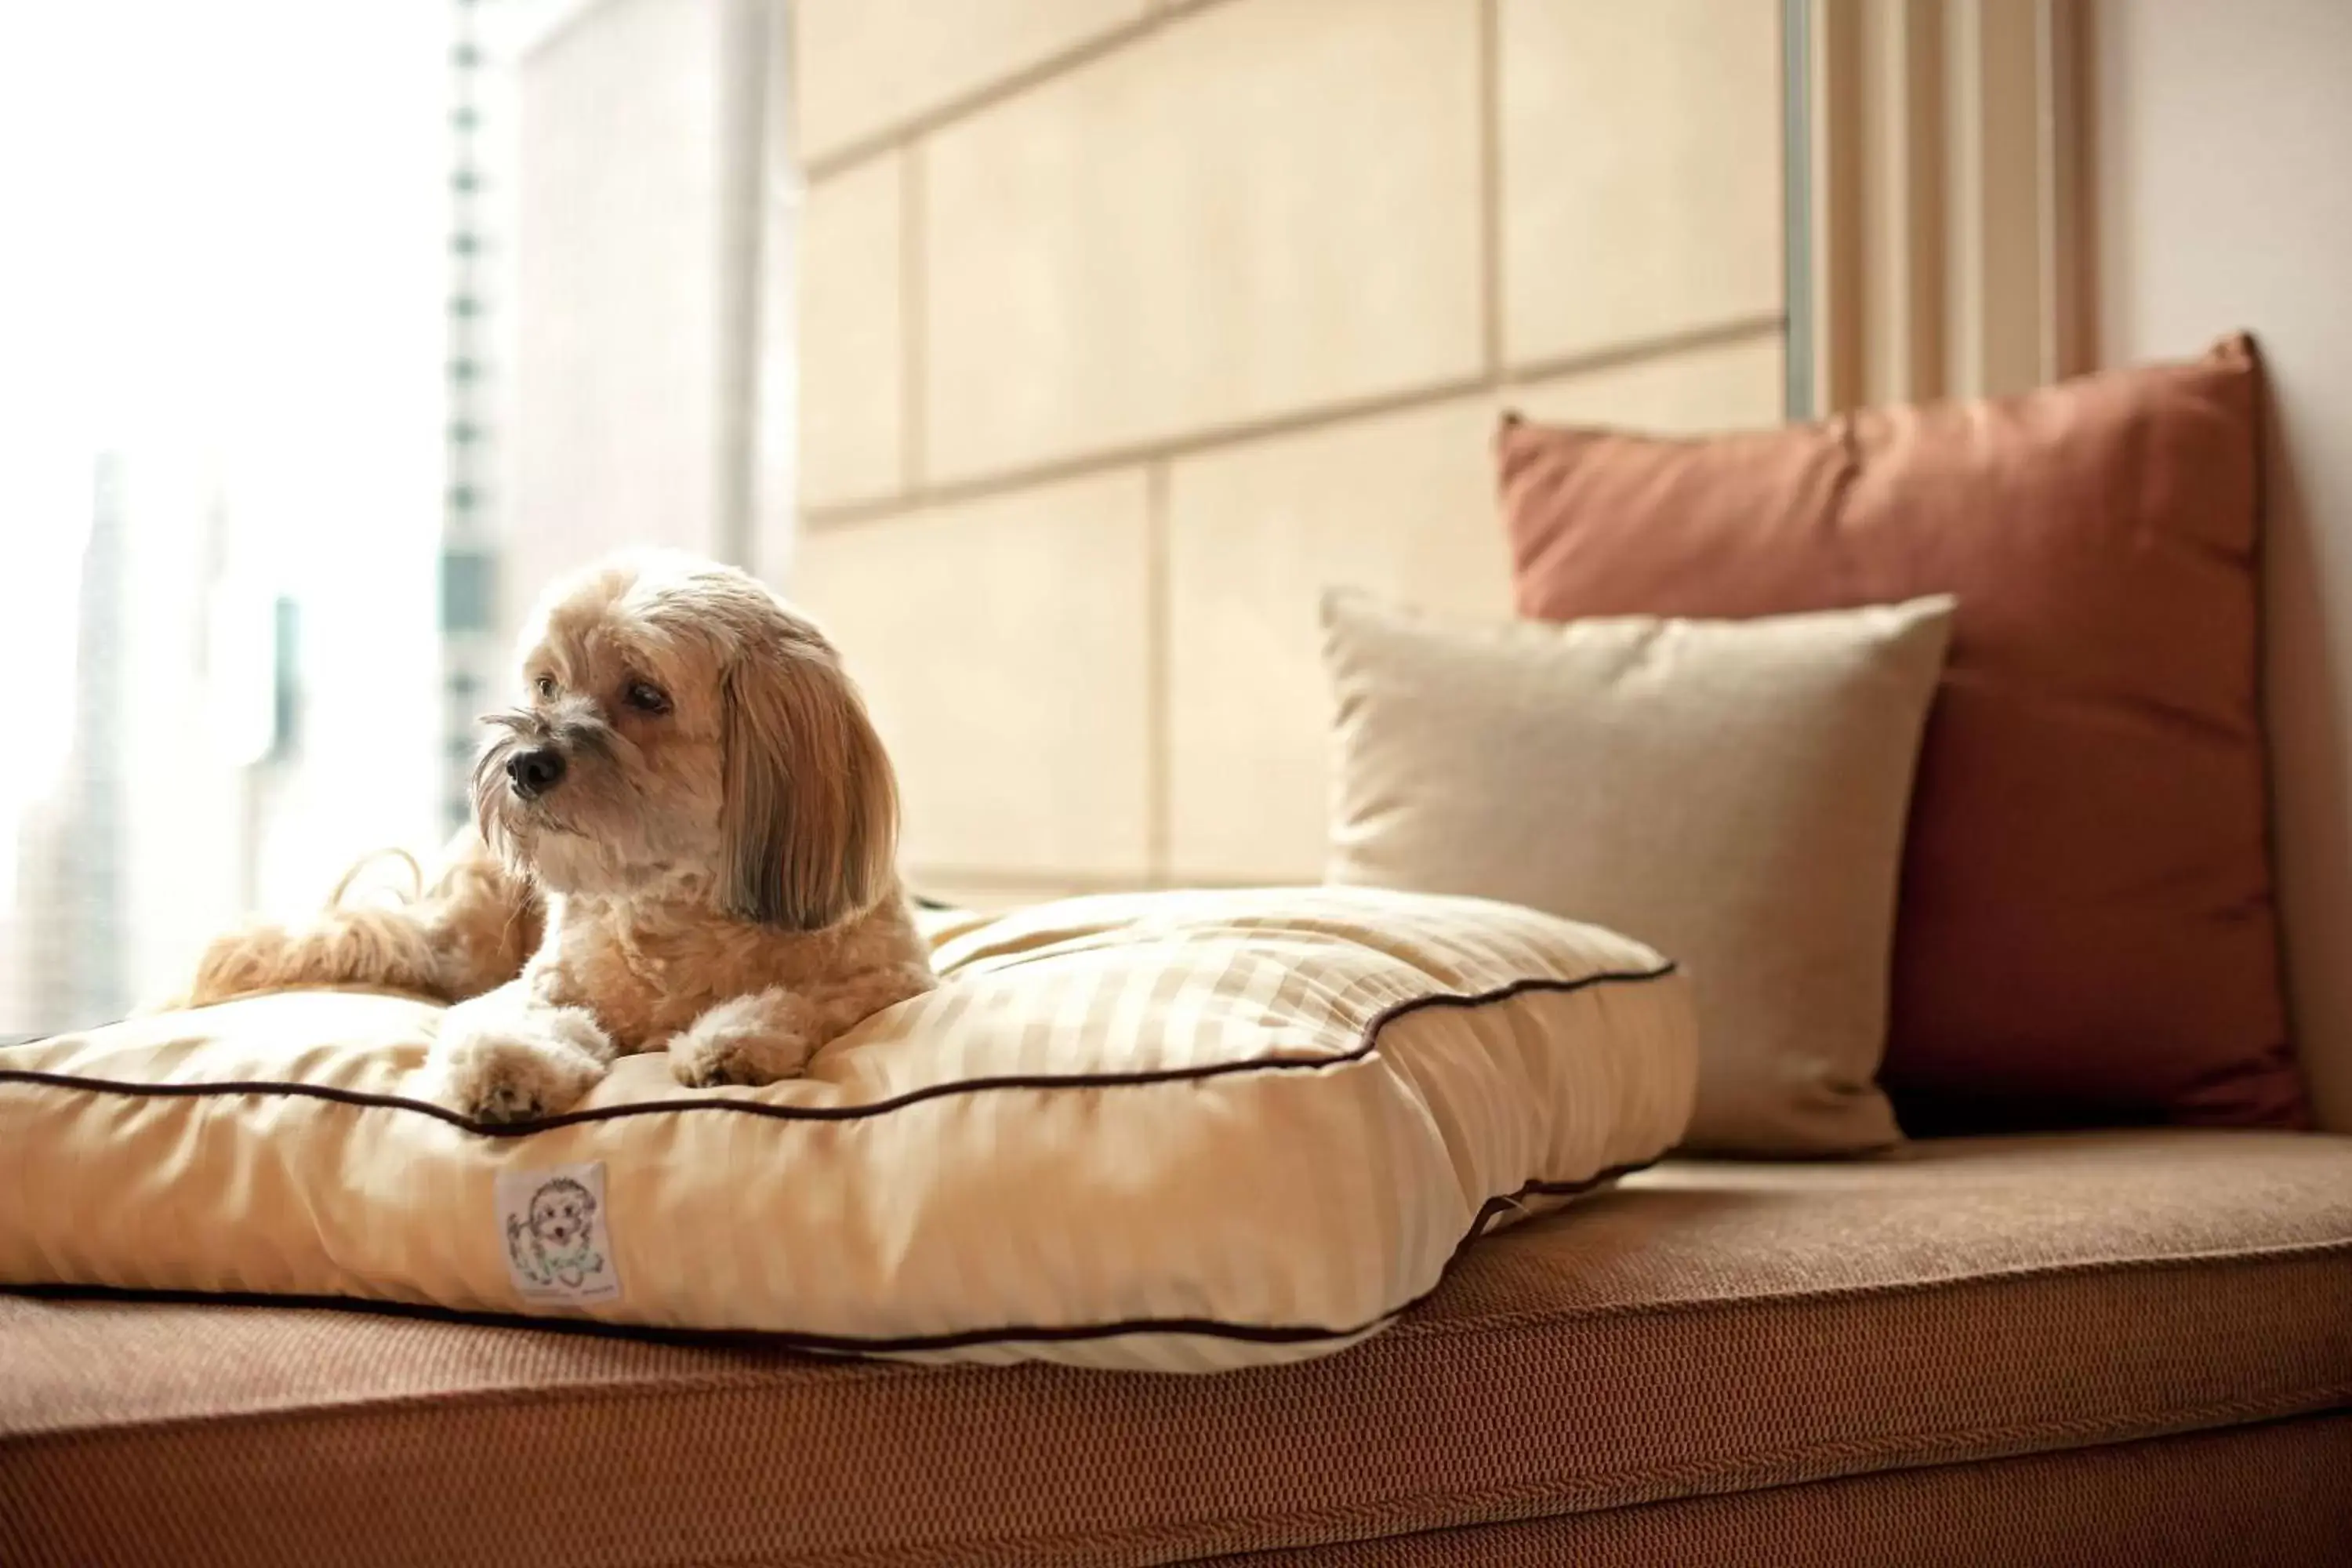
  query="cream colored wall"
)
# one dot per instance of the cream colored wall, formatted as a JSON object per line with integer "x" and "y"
{"x": 1127, "y": 327}
{"x": 2223, "y": 138}
{"x": 629, "y": 335}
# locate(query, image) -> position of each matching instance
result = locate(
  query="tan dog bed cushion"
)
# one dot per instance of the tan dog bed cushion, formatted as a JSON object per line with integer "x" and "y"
{"x": 1177, "y": 1131}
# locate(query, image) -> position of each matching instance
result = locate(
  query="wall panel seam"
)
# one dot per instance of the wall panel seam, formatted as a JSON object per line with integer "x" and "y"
{"x": 1158, "y": 722}
{"x": 1213, "y": 438}
{"x": 1491, "y": 279}
{"x": 1002, "y": 90}
{"x": 914, "y": 324}
{"x": 742, "y": 159}
{"x": 1030, "y": 878}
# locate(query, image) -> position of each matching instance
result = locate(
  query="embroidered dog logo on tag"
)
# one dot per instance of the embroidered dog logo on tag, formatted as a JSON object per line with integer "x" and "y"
{"x": 559, "y": 1247}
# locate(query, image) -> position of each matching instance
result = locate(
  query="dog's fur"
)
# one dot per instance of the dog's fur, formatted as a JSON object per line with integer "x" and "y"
{"x": 712, "y": 875}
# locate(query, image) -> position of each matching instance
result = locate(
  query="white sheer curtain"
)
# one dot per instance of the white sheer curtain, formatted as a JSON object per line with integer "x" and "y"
{"x": 224, "y": 270}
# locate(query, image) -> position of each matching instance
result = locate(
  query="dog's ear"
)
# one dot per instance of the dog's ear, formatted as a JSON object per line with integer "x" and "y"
{"x": 809, "y": 826}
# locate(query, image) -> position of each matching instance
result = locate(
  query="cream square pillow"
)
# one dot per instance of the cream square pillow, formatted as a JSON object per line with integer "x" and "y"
{"x": 1732, "y": 793}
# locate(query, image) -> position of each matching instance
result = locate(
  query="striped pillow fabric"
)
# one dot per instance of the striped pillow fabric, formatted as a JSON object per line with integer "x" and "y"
{"x": 1180, "y": 1131}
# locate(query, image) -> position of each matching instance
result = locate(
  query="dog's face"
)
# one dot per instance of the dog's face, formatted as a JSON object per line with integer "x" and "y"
{"x": 683, "y": 730}
{"x": 559, "y": 1213}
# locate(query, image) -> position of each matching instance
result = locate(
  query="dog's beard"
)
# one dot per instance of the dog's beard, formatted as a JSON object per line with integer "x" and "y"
{"x": 596, "y": 832}
{"x": 510, "y": 824}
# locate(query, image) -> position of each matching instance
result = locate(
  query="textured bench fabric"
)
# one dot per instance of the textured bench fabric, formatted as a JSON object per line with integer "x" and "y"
{"x": 1705, "y": 1330}
{"x": 2266, "y": 1496}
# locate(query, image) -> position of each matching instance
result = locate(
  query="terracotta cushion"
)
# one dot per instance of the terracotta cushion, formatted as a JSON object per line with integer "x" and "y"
{"x": 2086, "y": 934}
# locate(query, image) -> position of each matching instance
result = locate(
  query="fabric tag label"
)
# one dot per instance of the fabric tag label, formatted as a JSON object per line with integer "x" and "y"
{"x": 553, "y": 1222}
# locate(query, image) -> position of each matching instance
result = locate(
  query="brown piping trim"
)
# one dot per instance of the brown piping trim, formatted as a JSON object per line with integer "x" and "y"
{"x": 1367, "y": 1043}
{"x": 821, "y": 516}
{"x": 1256, "y": 1333}
{"x": 1042, "y": 1333}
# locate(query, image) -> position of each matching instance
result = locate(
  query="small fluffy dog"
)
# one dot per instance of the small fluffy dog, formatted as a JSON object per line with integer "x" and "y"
{"x": 685, "y": 841}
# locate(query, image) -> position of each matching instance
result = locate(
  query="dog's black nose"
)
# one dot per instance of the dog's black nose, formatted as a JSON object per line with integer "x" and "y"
{"x": 535, "y": 771}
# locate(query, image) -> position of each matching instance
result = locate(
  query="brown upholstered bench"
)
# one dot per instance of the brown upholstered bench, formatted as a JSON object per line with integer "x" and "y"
{"x": 2123, "y": 1348}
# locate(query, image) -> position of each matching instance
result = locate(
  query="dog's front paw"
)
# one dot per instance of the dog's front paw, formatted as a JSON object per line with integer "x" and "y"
{"x": 577, "y": 1027}
{"x": 520, "y": 1066}
{"x": 749, "y": 1041}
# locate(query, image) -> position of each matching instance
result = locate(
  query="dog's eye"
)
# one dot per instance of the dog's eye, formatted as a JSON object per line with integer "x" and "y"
{"x": 645, "y": 698}
{"x": 545, "y": 687}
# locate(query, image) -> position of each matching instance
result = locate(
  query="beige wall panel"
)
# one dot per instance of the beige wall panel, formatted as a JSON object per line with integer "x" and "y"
{"x": 853, "y": 349}
{"x": 861, "y": 66}
{"x": 1641, "y": 178}
{"x": 1728, "y": 386}
{"x": 1401, "y": 505}
{"x": 1002, "y": 647}
{"x": 1260, "y": 208}
{"x": 611, "y": 405}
